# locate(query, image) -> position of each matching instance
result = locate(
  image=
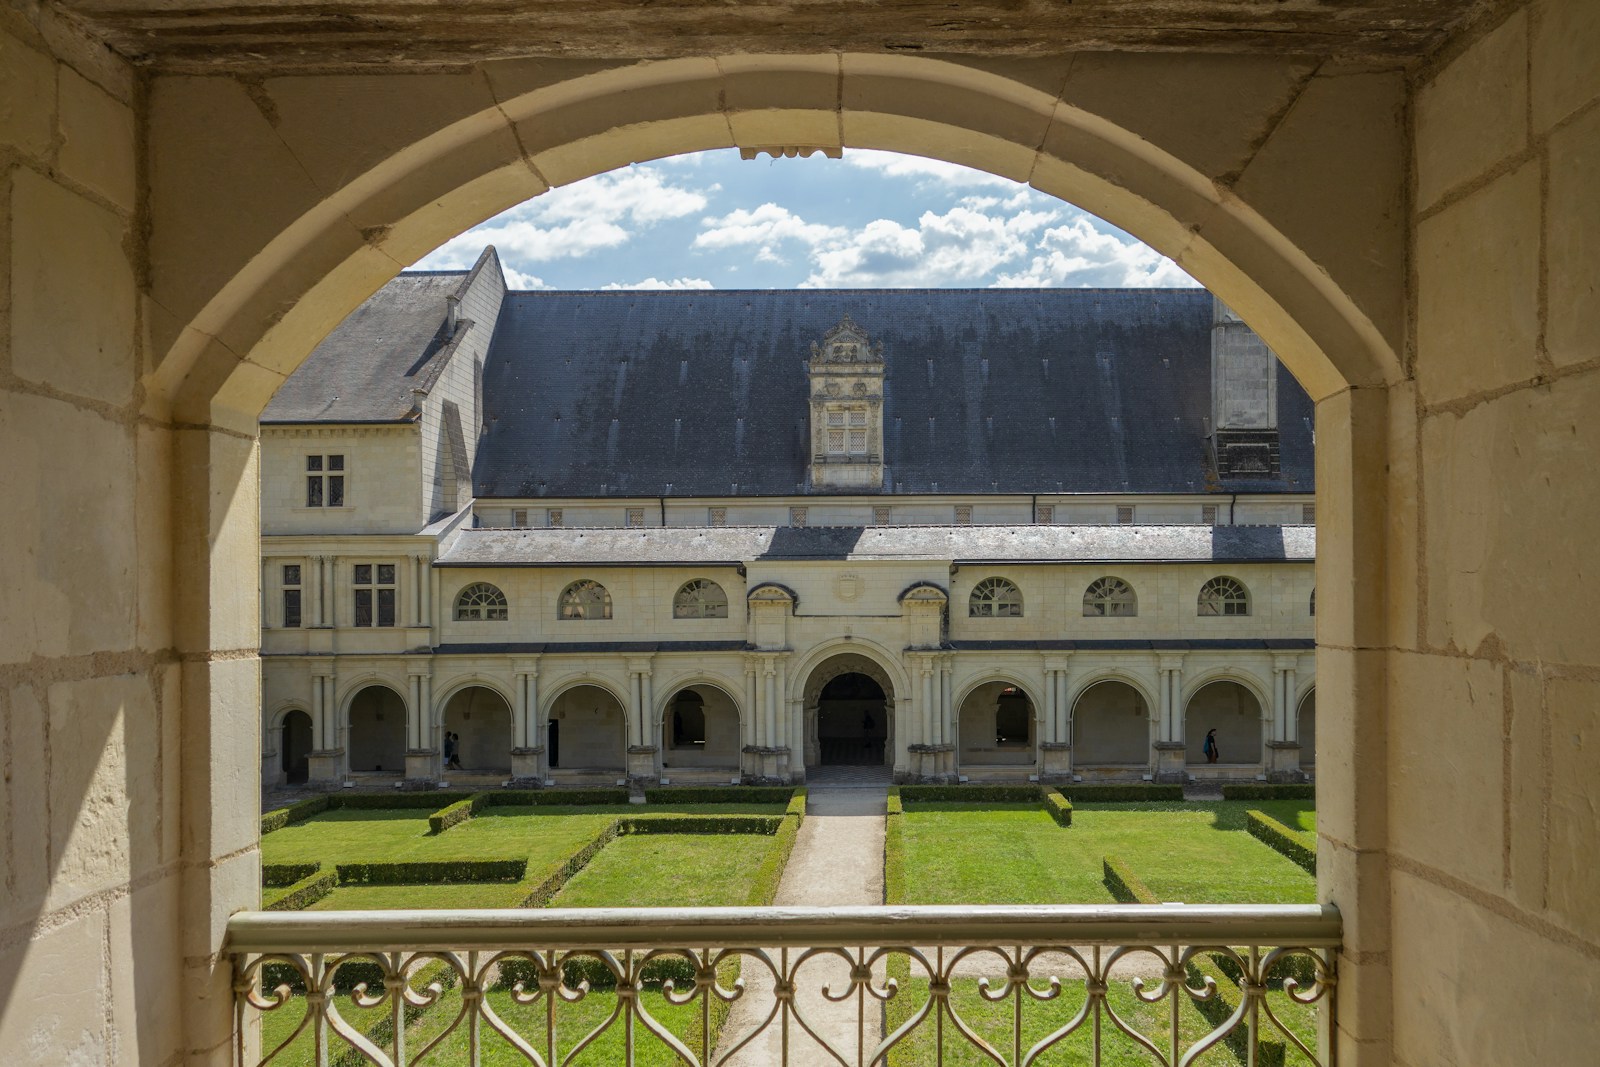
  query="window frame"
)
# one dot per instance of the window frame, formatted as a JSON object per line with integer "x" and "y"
{"x": 1099, "y": 594}
{"x": 487, "y": 608}
{"x": 293, "y": 593}
{"x": 372, "y": 590}
{"x": 326, "y": 478}
{"x": 699, "y": 585}
{"x": 987, "y": 594}
{"x": 574, "y": 589}
{"x": 1223, "y": 603}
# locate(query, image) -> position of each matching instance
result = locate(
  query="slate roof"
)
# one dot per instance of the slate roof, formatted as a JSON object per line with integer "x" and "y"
{"x": 365, "y": 370}
{"x": 734, "y": 545}
{"x": 590, "y": 394}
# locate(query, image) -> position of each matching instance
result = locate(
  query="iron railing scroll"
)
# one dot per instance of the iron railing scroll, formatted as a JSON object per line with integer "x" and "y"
{"x": 1170, "y": 985}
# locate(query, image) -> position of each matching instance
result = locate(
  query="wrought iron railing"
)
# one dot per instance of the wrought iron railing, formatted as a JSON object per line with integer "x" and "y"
{"x": 899, "y": 986}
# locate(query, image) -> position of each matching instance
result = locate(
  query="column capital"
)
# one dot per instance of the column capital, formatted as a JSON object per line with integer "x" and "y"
{"x": 1058, "y": 661}
{"x": 530, "y": 667}
{"x": 640, "y": 665}
{"x": 1172, "y": 661}
{"x": 1286, "y": 661}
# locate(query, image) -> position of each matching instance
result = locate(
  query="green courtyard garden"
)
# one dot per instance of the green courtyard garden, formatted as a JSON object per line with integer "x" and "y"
{"x": 728, "y": 846}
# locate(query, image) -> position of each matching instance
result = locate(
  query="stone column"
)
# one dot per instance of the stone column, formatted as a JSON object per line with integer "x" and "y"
{"x": 947, "y": 723}
{"x": 1283, "y": 749}
{"x": 419, "y": 754}
{"x": 641, "y": 754}
{"x": 313, "y": 578}
{"x": 266, "y": 592}
{"x": 527, "y": 740}
{"x": 416, "y": 590}
{"x": 1055, "y": 751}
{"x": 326, "y": 760}
{"x": 750, "y": 724}
{"x": 1171, "y": 765}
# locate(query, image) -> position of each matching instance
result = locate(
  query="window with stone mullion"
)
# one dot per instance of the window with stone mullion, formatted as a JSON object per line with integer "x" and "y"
{"x": 374, "y": 594}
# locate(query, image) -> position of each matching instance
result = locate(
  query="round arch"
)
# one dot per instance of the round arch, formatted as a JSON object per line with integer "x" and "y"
{"x": 354, "y": 686}
{"x": 440, "y": 181}
{"x": 1305, "y": 713}
{"x": 799, "y": 677}
{"x": 1110, "y": 721}
{"x": 594, "y": 736}
{"x": 993, "y": 729}
{"x": 549, "y": 696}
{"x": 480, "y": 718}
{"x": 1235, "y": 709}
{"x": 715, "y": 739}
{"x": 1030, "y": 690}
{"x": 374, "y": 715}
{"x": 854, "y": 728}
{"x": 469, "y": 681}
{"x": 1139, "y": 685}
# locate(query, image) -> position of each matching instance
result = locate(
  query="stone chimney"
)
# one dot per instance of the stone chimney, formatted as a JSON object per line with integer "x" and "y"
{"x": 1244, "y": 399}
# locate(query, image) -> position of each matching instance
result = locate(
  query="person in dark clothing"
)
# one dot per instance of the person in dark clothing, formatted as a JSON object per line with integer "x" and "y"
{"x": 1210, "y": 747}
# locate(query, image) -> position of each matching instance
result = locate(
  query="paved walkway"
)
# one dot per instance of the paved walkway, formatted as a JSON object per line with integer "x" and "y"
{"x": 837, "y": 860}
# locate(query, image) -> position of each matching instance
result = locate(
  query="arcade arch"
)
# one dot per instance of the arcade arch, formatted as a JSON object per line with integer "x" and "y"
{"x": 586, "y": 730}
{"x": 294, "y": 746}
{"x": 849, "y": 713}
{"x": 480, "y": 717}
{"x": 700, "y": 727}
{"x": 375, "y": 731}
{"x": 1234, "y": 711}
{"x": 1111, "y": 726}
{"x": 997, "y": 726}
{"x": 1306, "y": 726}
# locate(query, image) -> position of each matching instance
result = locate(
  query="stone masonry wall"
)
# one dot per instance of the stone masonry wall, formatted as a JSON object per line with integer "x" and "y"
{"x": 1494, "y": 678}
{"x": 90, "y": 682}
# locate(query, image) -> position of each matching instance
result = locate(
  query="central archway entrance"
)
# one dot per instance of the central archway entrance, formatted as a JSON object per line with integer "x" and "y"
{"x": 849, "y": 714}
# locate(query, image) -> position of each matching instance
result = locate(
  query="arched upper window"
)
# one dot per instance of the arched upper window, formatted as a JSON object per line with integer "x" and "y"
{"x": 1224, "y": 596}
{"x": 700, "y": 599}
{"x": 584, "y": 599}
{"x": 481, "y": 602}
{"x": 995, "y": 598}
{"x": 1109, "y": 596}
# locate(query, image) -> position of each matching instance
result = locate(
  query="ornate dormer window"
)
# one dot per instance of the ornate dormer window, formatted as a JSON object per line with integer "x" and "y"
{"x": 846, "y": 387}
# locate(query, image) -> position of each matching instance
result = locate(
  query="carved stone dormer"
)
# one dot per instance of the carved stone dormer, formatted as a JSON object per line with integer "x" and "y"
{"x": 845, "y": 378}
{"x": 1244, "y": 399}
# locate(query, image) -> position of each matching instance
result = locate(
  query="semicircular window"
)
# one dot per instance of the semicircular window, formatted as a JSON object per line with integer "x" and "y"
{"x": 700, "y": 599}
{"x": 481, "y": 602}
{"x": 584, "y": 599}
{"x": 1109, "y": 596}
{"x": 995, "y": 598}
{"x": 1224, "y": 596}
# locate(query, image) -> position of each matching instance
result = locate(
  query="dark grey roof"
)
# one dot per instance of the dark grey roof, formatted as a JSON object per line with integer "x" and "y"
{"x": 733, "y": 545}
{"x": 996, "y": 390}
{"x": 365, "y": 370}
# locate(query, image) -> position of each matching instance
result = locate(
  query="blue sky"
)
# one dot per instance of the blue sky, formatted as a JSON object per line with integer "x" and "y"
{"x": 869, "y": 220}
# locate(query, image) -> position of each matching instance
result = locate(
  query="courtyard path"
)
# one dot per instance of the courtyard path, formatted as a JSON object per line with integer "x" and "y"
{"x": 837, "y": 860}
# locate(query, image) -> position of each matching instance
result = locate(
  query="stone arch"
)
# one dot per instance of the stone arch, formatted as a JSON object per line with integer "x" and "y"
{"x": 722, "y": 725}
{"x": 984, "y": 736}
{"x": 585, "y": 727}
{"x": 1234, "y": 708}
{"x": 467, "y": 681}
{"x": 1306, "y": 726}
{"x": 338, "y": 247}
{"x": 374, "y": 717}
{"x": 481, "y": 718}
{"x": 289, "y": 743}
{"x": 877, "y": 724}
{"x": 885, "y": 660}
{"x": 1111, "y": 718}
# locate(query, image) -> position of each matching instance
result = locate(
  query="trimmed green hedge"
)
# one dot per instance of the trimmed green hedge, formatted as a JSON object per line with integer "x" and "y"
{"x": 764, "y": 884}
{"x": 896, "y": 805}
{"x": 970, "y": 794}
{"x": 432, "y": 873}
{"x": 517, "y": 798}
{"x": 539, "y": 887}
{"x": 699, "y": 824}
{"x": 305, "y": 892}
{"x": 1292, "y": 843}
{"x": 1125, "y": 886}
{"x": 894, "y": 852}
{"x": 278, "y": 875}
{"x": 719, "y": 794}
{"x": 1116, "y": 794}
{"x": 278, "y": 818}
{"x": 1058, "y": 807}
{"x": 459, "y": 812}
{"x": 1262, "y": 791}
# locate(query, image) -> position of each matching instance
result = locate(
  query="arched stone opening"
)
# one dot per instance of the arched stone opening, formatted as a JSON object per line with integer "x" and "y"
{"x": 700, "y": 728}
{"x": 587, "y": 731}
{"x": 294, "y": 747}
{"x": 375, "y": 740}
{"x": 480, "y": 719}
{"x": 1111, "y": 727}
{"x": 1232, "y": 710}
{"x": 997, "y": 727}
{"x": 1307, "y": 729}
{"x": 849, "y": 703}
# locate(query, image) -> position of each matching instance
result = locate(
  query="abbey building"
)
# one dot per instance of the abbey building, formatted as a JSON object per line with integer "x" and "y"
{"x": 752, "y": 535}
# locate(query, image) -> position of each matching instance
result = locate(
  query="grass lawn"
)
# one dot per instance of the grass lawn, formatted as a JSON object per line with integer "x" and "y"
{"x": 1015, "y": 854}
{"x": 992, "y": 1021}
{"x": 668, "y": 870}
{"x": 387, "y": 897}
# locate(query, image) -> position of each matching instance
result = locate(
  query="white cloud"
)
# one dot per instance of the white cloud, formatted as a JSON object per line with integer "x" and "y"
{"x": 764, "y": 227}
{"x": 1076, "y": 254}
{"x": 516, "y": 279}
{"x": 926, "y": 172}
{"x": 576, "y": 220}
{"x": 657, "y": 283}
{"x": 965, "y": 245}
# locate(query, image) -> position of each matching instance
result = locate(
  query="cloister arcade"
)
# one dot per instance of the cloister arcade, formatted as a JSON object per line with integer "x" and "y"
{"x": 1410, "y": 229}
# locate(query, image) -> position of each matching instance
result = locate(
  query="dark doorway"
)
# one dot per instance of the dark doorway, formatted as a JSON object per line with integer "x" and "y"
{"x": 852, "y": 722}
{"x": 554, "y": 744}
{"x": 295, "y": 747}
